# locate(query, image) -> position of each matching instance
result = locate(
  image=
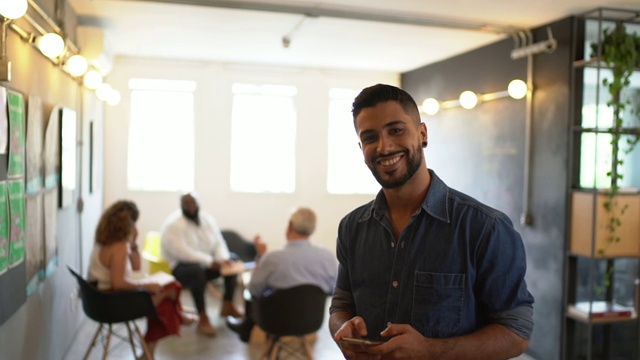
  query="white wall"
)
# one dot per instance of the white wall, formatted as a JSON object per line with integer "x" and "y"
{"x": 248, "y": 214}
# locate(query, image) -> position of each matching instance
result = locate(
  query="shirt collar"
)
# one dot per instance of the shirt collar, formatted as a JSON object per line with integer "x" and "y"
{"x": 435, "y": 203}
{"x": 297, "y": 243}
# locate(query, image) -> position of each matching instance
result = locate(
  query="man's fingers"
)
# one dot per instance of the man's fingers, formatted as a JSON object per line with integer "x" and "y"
{"x": 395, "y": 330}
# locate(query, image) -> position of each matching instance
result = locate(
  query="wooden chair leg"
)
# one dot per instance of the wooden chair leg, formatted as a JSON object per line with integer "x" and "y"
{"x": 93, "y": 342}
{"x": 307, "y": 348}
{"x": 106, "y": 344}
{"x": 133, "y": 345}
{"x": 275, "y": 350}
{"x": 267, "y": 350}
{"x": 142, "y": 342}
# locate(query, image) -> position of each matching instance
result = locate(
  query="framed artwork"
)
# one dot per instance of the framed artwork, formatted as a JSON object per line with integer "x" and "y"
{"x": 68, "y": 144}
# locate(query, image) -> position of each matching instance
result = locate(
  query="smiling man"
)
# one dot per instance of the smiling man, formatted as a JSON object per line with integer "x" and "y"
{"x": 428, "y": 270}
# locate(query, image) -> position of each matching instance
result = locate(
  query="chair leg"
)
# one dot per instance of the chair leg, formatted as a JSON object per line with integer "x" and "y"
{"x": 307, "y": 348}
{"x": 275, "y": 350}
{"x": 142, "y": 342}
{"x": 93, "y": 342}
{"x": 133, "y": 345}
{"x": 272, "y": 343}
{"x": 106, "y": 344}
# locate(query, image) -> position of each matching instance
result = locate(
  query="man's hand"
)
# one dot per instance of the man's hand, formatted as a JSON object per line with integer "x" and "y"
{"x": 260, "y": 245}
{"x": 354, "y": 328}
{"x": 405, "y": 342}
{"x": 215, "y": 266}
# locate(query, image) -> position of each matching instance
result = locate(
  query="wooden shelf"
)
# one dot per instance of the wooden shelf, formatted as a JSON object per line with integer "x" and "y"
{"x": 620, "y": 314}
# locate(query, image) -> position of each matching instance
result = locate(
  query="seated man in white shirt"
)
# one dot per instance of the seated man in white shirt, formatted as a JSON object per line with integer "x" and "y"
{"x": 298, "y": 263}
{"x": 195, "y": 249}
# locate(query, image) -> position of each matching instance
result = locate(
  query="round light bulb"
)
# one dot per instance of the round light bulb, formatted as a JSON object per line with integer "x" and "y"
{"x": 103, "y": 91}
{"x": 92, "y": 79}
{"x": 517, "y": 89}
{"x": 51, "y": 45}
{"x": 431, "y": 106}
{"x": 468, "y": 99}
{"x": 114, "y": 97}
{"x": 77, "y": 65}
{"x": 13, "y": 9}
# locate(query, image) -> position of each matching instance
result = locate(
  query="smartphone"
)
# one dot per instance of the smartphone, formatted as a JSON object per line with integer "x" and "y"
{"x": 361, "y": 341}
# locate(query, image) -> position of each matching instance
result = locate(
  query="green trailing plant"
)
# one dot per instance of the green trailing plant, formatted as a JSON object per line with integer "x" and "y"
{"x": 619, "y": 51}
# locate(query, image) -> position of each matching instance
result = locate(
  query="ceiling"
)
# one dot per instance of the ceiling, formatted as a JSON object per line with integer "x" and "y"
{"x": 377, "y": 35}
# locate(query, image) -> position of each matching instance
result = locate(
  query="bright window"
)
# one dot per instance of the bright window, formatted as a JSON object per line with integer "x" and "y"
{"x": 161, "y": 137}
{"x": 263, "y": 131}
{"x": 347, "y": 172}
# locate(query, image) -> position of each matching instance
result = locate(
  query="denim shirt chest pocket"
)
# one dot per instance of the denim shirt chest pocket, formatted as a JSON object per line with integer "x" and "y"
{"x": 437, "y": 303}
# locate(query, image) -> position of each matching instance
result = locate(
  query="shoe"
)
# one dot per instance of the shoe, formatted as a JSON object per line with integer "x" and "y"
{"x": 188, "y": 319}
{"x": 240, "y": 326}
{"x": 228, "y": 309}
{"x": 206, "y": 329}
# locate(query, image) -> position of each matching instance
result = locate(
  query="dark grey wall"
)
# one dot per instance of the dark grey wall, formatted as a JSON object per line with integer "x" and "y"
{"x": 481, "y": 152}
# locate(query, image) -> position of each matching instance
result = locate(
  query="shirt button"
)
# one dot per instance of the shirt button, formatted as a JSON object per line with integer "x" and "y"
{"x": 393, "y": 244}
{"x": 402, "y": 244}
{"x": 395, "y": 284}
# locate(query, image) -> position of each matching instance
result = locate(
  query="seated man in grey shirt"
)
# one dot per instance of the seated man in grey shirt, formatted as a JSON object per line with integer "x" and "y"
{"x": 298, "y": 263}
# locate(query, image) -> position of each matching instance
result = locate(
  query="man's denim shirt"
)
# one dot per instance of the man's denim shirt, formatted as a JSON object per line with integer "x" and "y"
{"x": 457, "y": 266}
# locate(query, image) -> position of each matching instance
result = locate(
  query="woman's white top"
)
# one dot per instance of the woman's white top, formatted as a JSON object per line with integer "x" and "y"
{"x": 99, "y": 272}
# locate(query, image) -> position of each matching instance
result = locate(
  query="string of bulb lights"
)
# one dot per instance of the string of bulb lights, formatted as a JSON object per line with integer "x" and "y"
{"x": 517, "y": 89}
{"x": 52, "y": 45}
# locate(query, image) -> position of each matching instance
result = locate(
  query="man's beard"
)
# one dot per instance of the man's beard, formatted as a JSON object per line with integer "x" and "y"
{"x": 192, "y": 217}
{"x": 413, "y": 163}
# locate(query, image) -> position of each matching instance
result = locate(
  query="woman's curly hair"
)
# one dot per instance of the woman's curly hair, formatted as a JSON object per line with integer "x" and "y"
{"x": 117, "y": 223}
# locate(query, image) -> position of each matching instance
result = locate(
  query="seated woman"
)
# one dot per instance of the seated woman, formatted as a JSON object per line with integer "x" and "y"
{"x": 114, "y": 258}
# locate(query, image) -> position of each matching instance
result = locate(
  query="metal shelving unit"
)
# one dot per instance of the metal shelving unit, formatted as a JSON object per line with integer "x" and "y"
{"x": 587, "y": 335}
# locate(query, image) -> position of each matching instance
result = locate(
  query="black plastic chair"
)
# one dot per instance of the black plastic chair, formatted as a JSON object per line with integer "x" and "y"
{"x": 296, "y": 312}
{"x": 118, "y": 307}
{"x": 244, "y": 249}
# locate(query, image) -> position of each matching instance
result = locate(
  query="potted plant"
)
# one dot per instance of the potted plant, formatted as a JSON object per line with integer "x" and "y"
{"x": 619, "y": 51}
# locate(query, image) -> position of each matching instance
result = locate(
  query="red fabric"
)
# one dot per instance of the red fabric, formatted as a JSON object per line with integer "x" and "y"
{"x": 168, "y": 320}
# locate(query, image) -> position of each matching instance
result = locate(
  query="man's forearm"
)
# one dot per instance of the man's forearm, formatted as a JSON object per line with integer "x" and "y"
{"x": 491, "y": 342}
{"x": 337, "y": 319}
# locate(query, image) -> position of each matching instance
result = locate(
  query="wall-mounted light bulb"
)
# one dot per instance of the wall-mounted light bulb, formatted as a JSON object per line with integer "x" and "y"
{"x": 468, "y": 99}
{"x": 114, "y": 97}
{"x": 51, "y": 45}
{"x": 517, "y": 89}
{"x": 103, "y": 91}
{"x": 431, "y": 106}
{"x": 13, "y": 9}
{"x": 77, "y": 65}
{"x": 92, "y": 79}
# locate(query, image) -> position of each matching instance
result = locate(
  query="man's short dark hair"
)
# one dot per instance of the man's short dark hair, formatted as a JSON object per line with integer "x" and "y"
{"x": 379, "y": 93}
